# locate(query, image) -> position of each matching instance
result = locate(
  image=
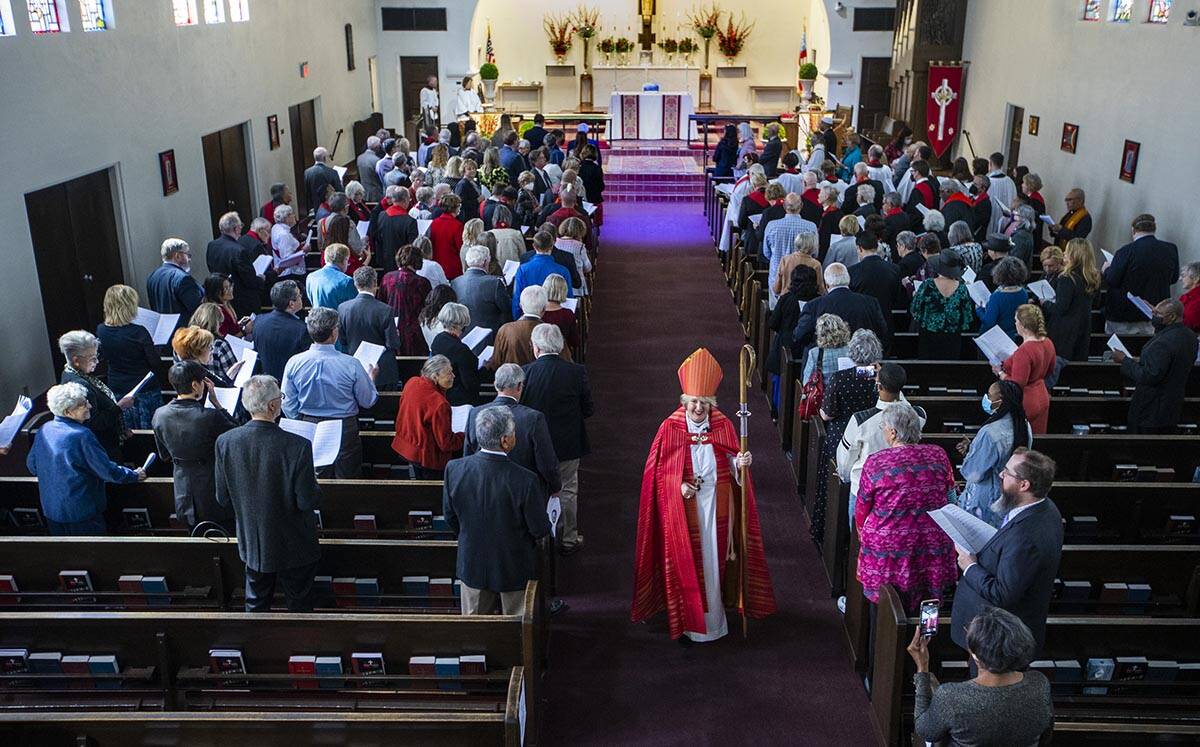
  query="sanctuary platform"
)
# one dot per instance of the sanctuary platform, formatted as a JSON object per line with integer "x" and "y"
{"x": 653, "y": 170}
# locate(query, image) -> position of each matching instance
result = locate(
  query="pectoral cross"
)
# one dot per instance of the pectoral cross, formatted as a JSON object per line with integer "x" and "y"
{"x": 942, "y": 96}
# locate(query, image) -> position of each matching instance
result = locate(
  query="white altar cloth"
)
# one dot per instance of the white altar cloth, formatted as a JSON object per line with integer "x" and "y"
{"x": 650, "y": 115}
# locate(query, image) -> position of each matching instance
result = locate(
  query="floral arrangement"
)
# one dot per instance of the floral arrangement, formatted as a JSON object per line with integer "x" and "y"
{"x": 732, "y": 38}
{"x": 608, "y": 46}
{"x": 705, "y": 21}
{"x": 493, "y": 177}
{"x": 487, "y": 124}
{"x": 670, "y": 46}
{"x": 623, "y": 45}
{"x": 587, "y": 22}
{"x": 687, "y": 46}
{"x": 559, "y": 30}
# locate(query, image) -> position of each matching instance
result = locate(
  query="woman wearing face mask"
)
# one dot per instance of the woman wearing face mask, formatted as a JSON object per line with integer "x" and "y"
{"x": 985, "y": 456}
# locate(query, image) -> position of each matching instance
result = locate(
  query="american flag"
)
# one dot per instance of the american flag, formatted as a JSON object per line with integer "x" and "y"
{"x": 490, "y": 54}
{"x": 803, "y": 55}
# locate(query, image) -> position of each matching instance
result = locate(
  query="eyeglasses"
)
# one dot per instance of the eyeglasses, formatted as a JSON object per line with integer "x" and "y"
{"x": 1006, "y": 471}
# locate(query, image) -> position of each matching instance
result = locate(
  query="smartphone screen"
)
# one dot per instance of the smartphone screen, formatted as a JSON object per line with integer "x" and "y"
{"x": 929, "y": 617}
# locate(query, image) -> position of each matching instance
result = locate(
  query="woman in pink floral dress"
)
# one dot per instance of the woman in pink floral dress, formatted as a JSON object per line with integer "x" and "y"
{"x": 899, "y": 544}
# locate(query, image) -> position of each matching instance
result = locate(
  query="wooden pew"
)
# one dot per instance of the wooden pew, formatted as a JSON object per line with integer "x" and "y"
{"x": 1144, "y": 708}
{"x": 904, "y": 345}
{"x": 978, "y": 375}
{"x": 1065, "y": 412}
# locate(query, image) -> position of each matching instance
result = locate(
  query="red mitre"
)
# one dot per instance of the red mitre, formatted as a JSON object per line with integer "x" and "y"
{"x": 700, "y": 374}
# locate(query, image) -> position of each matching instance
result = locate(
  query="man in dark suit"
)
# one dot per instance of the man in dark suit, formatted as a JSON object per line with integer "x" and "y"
{"x": 1145, "y": 267}
{"x": 485, "y": 296}
{"x": 227, "y": 256}
{"x": 1015, "y": 569}
{"x": 559, "y": 390}
{"x": 281, "y": 334}
{"x": 365, "y": 318}
{"x": 257, "y": 243}
{"x": 273, "y": 499}
{"x": 541, "y": 180}
{"x": 366, "y": 162}
{"x": 507, "y": 198}
{"x": 772, "y": 150}
{"x": 395, "y": 227}
{"x": 318, "y": 176}
{"x": 981, "y": 211}
{"x": 171, "y": 289}
{"x": 850, "y": 196}
{"x": 859, "y": 311}
{"x": 536, "y": 135}
{"x": 497, "y": 509}
{"x": 876, "y": 277}
{"x": 533, "y": 449}
{"x": 510, "y": 160}
{"x": 1160, "y": 373}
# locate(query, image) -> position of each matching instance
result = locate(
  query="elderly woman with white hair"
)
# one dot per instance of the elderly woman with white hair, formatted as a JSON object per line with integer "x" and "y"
{"x": 843, "y": 248}
{"x": 849, "y": 390}
{"x": 733, "y": 213}
{"x": 424, "y": 435}
{"x": 963, "y": 243}
{"x": 287, "y": 251}
{"x": 935, "y": 223}
{"x": 571, "y": 233}
{"x": 1020, "y": 228}
{"x": 81, "y": 350}
{"x": 830, "y": 220}
{"x": 356, "y": 202}
{"x": 455, "y": 319}
{"x": 71, "y": 466}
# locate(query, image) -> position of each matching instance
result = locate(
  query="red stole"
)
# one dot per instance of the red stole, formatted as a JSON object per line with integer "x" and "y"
{"x": 927, "y": 196}
{"x": 812, "y": 195}
{"x": 758, "y": 198}
{"x": 668, "y": 567}
{"x": 895, "y": 211}
{"x": 981, "y": 197}
{"x": 394, "y": 210}
{"x": 959, "y": 197}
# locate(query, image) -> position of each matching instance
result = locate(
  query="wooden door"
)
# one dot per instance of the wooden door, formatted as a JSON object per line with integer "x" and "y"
{"x": 74, "y": 231}
{"x": 1016, "y": 125}
{"x": 303, "y": 119}
{"x": 874, "y": 93}
{"x": 228, "y": 174}
{"x": 414, "y": 71}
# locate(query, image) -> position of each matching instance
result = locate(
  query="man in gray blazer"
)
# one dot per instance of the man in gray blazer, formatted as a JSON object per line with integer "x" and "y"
{"x": 484, "y": 295}
{"x": 497, "y": 510}
{"x": 367, "y": 319}
{"x": 533, "y": 450}
{"x": 367, "y": 176}
{"x": 1015, "y": 570}
{"x": 267, "y": 475}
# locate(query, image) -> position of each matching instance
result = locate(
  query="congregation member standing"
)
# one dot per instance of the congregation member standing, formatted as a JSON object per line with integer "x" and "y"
{"x": 107, "y": 413}
{"x": 170, "y": 288}
{"x": 497, "y": 510}
{"x": 71, "y": 466}
{"x": 446, "y": 234}
{"x": 366, "y": 162}
{"x": 274, "y": 500}
{"x": 129, "y": 354}
{"x": 985, "y": 455}
{"x": 365, "y": 318}
{"x": 1069, "y": 314}
{"x": 485, "y": 296}
{"x": 1077, "y": 223}
{"x": 876, "y": 277}
{"x": 779, "y": 239}
{"x": 405, "y": 292}
{"x": 185, "y": 434}
{"x": 1160, "y": 374}
{"x": 1015, "y": 570}
{"x": 226, "y": 255}
{"x": 857, "y": 310}
{"x": 1145, "y": 268}
{"x": 533, "y": 449}
{"x": 318, "y": 177}
{"x": 1030, "y": 364}
{"x": 395, "y": 227}
{"x": 423, "y": 418}
{"x": 514, "y": 340}
{"x": 535, "y": 271}
{"x": 325, "y": 384}
{"x": 329, "y": 286}
{"x": 1010, "y": 275}
{"x": 1189, "y": 278}
{"x": 455, "y": 319}
{"x": 281, "y": 334}
{"x": 286, "y": 249}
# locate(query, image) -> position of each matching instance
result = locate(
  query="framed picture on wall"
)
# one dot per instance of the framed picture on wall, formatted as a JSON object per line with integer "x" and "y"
{"x": 170, "y": 177}
{"x": 1129, "y": 160}
{"x": 1070, "y": 136}
{"x": 1033, "y": 124}
{"x": 273, "y": 130}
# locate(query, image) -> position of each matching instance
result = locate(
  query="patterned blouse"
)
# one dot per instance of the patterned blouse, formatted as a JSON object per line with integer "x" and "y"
{"x": 900, "y": 545}
{"x": 933, "y": 312}
{"x": 405, "y": 291}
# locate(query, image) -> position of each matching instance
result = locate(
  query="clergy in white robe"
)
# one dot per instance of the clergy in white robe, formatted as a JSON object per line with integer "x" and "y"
{"x": 733, "y": 212}
{"x": 430, "y": 103}
{"x": 466, "y": 102}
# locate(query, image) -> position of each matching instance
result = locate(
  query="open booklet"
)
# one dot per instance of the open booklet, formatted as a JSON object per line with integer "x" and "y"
{"x": 1042, "y": 289}
{"x": 968, "y": 531}
{"x": 474, "y": 337}
{"x": 325, "y": 437}
{"x": 458, "y": 418}
{"x": 368, "y": 354}
{"x": 996, "y": 345}
{"x": 979, "y": 293}
{"x": 510, "y": 270}
{"x": 160, "y": 326}
{"x": 12, "y": 423}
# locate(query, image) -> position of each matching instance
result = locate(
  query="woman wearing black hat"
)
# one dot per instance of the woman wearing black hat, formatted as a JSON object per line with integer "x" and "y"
{"x": 942, "y": 309}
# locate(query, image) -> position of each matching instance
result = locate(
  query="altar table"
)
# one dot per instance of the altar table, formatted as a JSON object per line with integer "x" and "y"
{"x": 650, "y": 115}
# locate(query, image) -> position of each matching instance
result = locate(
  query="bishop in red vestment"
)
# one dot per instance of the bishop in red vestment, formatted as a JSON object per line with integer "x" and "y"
{"x": 685, "y": 560}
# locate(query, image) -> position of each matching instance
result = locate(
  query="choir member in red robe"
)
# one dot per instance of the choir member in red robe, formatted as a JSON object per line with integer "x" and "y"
{"x": 685, "y": 560}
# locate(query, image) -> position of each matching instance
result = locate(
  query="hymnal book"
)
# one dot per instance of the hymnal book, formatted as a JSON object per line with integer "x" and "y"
{"x": 1113, "y": 592}
{"x": 8, "y": 582}
{"x": 472, "y": 664}
{"x": 368, "y": 354}
{"x": 1181, "y": 524}
{"x": 239, "y": 346}
{"x": 1138, "y": 596}
{"x": 102, "y": 665}
{"x": 1067, "y": 674}
{"x": 1045, "y": 666}
{"x": 1129, "y": 669}
{"x": 366, "y": 523}
{"x": 1161, "y": 670}
{"x": 1141, "y": 304}
{"x": 1085, "y": 526}
{"x": 367, "y": 590}
{"x": 485, "y": 356}
{"x": 131, "y": 584}
{"x": 1188, "y": 672}
{"x": 329, "y": 672}
{"x": 1125, "y": 472}
{"x": 341, "y": 172}
{"x": 77, "y": 581}
{"x": 160, "y": 326}
{"x": 1147, "y": 473}
{"x": 156, "y": 591}
{"x": 1108, "y": 256}
{"x": 1114, "y": 343}
{"x": 325, "y": 437}
{"x": 458, "y": 418}
{"x": 323, "y": 590}
{"x": 423, "y": 227}
{"x": 1075, "y": 591}
{"x": 996, "y": 345}
{"x": 441, "y": 592}
{"x": 967, "y": 530}
{"x": 476, "y": 336}
{"x": 446, "y": 668}
{"x": 1042, "y": 290}
{"x": 227, "y": 661}
{"x": 14, "y": 660}
{"x": 345, "y": 590}
{"x": 510, "y": 270}
{"x": 955, "y": 671}
{"x": 422, "y": 666}
{"x": 227, "y": 396}
{"x": 248, "y": 358}
{"x": 363, "y": 226}
{"x": 417, "y": 589}
{"x": 968, "y": 275}
{"x": 1099, "y": 670}
{"x": 440, "y": 524}
{"x": 979, "y": 293}
{"x": 420, "y": 520}
{"x": 367, "y": 665}
{"x": 137, "y": 519}
{"x": 305, "y": 667}
{"x": 46, "y": 662}
{"x": 12, "y": 423}
{"x": 78, "y": 665}
{"x": 28, "y": 518}
{"x": 261, "y": 263}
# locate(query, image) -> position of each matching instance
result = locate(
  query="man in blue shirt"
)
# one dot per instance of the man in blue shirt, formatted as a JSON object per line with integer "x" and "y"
{"x": 510, "y": 159}
{"x": 537, "y": 269}
{"x": 171, "y": 289}
{"x": 72, "y": 467}
{"x": 324, "y": 384}
{"x": 330, "y": 286}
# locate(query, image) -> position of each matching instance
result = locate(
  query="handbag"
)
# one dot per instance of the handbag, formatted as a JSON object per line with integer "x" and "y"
{"x": 813, "y": 392}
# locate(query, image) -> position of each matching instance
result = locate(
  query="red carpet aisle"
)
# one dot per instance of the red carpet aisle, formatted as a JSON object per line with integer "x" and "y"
{"x": 660, "y": 294}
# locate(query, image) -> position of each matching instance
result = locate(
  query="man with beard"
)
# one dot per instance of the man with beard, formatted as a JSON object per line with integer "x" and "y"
{"x": 1015, "y": 569}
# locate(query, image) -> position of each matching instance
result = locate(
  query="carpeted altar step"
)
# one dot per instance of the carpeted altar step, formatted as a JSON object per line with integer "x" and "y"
{"x": 636, "y": 171}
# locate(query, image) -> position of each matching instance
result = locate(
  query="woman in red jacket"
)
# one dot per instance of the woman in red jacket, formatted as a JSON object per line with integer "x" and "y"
{"x": 423, "y": 421}
{"x": 1030, "y": 364}
{"x": 1189, "y": 278}
{"x": 446, "y": 235}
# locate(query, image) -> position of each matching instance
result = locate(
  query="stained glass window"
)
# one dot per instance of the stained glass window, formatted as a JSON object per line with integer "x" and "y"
{"x": 44, "y": 17}
{"x": 214, "y": 11}
{"x": 6, "y": 19}
{"x": 239, "y": 10}
{"x": 1122, "y": 11}
{"x": 185, "y": 12}
{"x": 1160, "y": 11}
{"x": 1091, "y": 10}
{"x": 95, "y": 14}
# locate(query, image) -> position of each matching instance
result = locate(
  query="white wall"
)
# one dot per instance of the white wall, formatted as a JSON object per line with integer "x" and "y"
{"x": 840, "y": 50}
{"x": 449, "y": 46}
{"x": 75, "y": 103}
{"x": 1131, "y": 81}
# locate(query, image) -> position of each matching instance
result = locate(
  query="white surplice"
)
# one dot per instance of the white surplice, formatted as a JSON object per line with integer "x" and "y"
{"x": 704, "y": 468}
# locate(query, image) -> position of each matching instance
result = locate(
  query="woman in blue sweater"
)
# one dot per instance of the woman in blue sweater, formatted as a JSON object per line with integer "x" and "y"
{"x": 1001, "y": 309}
